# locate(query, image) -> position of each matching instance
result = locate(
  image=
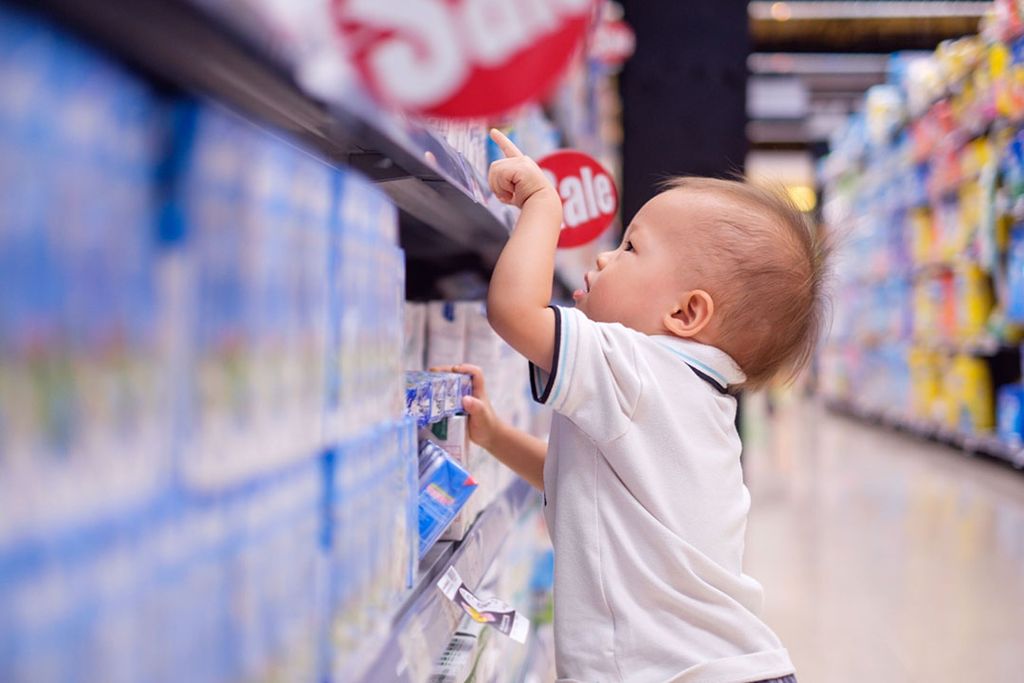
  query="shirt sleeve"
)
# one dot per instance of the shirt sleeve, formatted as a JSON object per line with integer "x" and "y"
{"x": 594, "y": 379}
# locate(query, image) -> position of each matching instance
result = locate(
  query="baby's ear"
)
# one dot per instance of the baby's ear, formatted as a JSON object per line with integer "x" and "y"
{"x": 691, "y": 315}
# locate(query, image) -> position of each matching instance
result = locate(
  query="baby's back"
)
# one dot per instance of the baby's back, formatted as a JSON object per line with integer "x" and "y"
{"x": 647, "y": 510}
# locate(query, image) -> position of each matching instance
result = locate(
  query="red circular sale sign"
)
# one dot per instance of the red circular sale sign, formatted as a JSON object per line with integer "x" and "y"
{"x": 589, "y": 198}
{"x": 461, "y": 58}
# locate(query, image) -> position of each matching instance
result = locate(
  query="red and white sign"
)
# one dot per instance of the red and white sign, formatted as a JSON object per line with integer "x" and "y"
{"x": 461, "y": 58}
{"x": 589, "y": 198}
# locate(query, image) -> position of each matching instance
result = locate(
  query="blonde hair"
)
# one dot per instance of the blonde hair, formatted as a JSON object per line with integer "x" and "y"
{"x": 772, "y": 299}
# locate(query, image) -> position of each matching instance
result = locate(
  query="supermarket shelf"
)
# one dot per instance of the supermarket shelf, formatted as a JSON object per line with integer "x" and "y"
{"x": 425, "y": 624}
{"x": 974, "y": 444}
{"x": 982, "y": 346}
{"x": 179, "y": 45}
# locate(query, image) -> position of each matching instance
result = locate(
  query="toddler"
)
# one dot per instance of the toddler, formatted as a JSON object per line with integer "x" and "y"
{"x": 716, "y": 285}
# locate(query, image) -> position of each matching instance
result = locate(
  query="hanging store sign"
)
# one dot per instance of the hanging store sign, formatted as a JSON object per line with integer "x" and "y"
{"x": 461, "y": 58}
{"x": 589, "y": 198}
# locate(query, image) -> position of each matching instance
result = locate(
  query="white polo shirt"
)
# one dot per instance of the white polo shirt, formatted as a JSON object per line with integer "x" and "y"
{"x": 647, "y": 509}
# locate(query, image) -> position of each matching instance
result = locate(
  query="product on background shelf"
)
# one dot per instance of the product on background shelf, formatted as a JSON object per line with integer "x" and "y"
{"x": 415, "y": 336}
{"x": 1010, "y": 414}
{"x": 970, "y": 403}
{"x": 925, "y": 189}
{"x": 446, "y": 332}
{"x": 1015, "y": 277}
{"x": 926, "y": 384}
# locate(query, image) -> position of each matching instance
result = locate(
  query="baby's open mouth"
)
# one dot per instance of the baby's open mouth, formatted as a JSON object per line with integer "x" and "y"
{"x": 586, "y": 283}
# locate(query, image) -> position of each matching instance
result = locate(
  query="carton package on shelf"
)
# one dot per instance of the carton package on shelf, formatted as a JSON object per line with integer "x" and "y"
{"x": 255, "y": 221}
{"x": 444, "y": 488}
{"x": 415, "y": 339}
{"x": 296, "y": 292}
{"x": 84, "y": 381}
{"x": 206, "y": 574}
{"x": 446, "y": 332}
{"x": 367, "y": 288}
{"x": 452, "y": 434}
{"x": 277, "y": 584}
{"x": 373, "y": 540}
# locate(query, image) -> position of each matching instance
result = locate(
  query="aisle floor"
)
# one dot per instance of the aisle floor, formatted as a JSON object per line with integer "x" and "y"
{"x": 883, "y": 557}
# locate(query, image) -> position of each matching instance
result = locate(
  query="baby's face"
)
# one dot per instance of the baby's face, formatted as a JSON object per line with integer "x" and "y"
{"x": 639, "y": 283}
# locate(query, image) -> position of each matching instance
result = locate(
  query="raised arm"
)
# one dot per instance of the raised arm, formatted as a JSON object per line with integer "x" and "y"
{"x": 520, "y": 291}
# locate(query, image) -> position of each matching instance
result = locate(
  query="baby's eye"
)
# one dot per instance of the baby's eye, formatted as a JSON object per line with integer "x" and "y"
{"x": 629, "y": 245}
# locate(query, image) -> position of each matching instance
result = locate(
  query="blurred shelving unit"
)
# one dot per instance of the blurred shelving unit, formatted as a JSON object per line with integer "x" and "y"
{"x": 924, "y": 183}
{"x": 447, "y": 215}
{"x": 445, "y": 207}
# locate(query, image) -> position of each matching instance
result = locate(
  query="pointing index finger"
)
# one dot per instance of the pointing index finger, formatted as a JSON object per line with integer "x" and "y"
{"x": 504, "y": 144}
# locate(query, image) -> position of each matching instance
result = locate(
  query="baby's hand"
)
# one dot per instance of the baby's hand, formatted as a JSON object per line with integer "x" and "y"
{"x": 484, "y": 425}
{"x": 517, "y": 177}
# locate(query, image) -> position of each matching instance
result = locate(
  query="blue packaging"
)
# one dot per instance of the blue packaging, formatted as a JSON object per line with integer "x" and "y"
{"x": 434, "y": 396}
{"x": 419, "y": 397}
{"x": 1015, "y": 275}
{"x": 444, "y": 488}
{"x": 1010, "y": 414}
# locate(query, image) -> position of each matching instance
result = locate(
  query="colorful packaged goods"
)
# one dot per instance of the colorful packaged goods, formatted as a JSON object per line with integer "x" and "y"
{"x": 1010, "y": 414}
{"x": 434, "y": 396}
{"x": 929, "y": 213}
{"x": 445, "y": 486}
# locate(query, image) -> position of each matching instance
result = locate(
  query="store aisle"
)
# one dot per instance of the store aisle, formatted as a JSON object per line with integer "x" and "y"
{"x": 884, "y": 558}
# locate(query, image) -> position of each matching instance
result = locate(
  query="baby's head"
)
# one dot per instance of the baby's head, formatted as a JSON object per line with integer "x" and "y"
{"x": 721, "y": 262}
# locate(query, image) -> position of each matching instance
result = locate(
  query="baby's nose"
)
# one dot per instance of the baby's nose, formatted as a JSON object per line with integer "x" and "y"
{"x": 603, "y": 258}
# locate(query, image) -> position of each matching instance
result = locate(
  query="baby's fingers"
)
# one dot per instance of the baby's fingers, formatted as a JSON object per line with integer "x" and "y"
{"x": 501, "y": 177}
{"x": 478, "y": 378}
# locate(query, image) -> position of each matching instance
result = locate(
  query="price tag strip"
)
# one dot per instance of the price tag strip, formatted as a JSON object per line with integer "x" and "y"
{"x": 492, "y": 612}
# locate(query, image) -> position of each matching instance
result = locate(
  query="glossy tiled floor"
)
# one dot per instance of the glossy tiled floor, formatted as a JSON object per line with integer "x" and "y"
{"x": 884, "y": 558}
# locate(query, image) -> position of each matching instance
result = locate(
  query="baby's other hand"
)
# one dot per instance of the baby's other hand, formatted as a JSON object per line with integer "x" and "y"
{"x": 517, "y": 177}
{"x": 484, "y": 425}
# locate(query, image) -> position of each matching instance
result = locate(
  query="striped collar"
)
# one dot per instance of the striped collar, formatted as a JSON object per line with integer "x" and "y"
{"x": 709, "y": 360}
